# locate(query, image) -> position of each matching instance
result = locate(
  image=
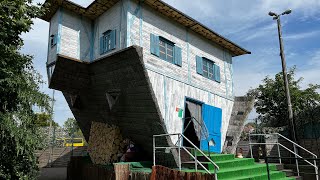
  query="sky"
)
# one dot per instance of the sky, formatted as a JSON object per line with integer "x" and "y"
{"x": 244, "y": 22}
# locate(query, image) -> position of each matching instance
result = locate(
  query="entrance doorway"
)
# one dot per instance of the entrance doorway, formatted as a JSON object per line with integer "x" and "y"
{"x": 202, "y": 126}
{"x": 191, "y": 128}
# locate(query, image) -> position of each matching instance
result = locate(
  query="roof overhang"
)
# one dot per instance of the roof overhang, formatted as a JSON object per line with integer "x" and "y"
{"x": 98, "y": 7}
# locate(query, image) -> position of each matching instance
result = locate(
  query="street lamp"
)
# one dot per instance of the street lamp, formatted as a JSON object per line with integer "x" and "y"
{"x": 284, "y": 71}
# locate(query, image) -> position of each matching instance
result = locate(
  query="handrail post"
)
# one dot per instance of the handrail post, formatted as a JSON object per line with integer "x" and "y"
{"x": 278, "y": 149}
{"x": 215, "y": 173}
{"x": 179, "y": 149}
{"x": 316, "y": 169}
{"x": 196, "y": 161}
{"x": 268, "y": 170}
{"x": 250, "y": 146}
{"x": 154, "y": 150}
{"x": 295, "y": 154}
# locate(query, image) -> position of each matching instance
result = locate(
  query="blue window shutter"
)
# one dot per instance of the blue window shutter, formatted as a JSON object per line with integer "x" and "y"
{"x": 177, "y": 56}
{"x": 216, "y": 73}
{"x": 199, "y": 65}
{"x": 101, "y": 45}
{"x": 154, "y": 45}
{"x": 113, "y": 39}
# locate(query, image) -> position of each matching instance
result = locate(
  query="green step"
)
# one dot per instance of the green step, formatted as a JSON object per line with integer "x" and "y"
{"x": 232, "y": 168}
{"x": 219, "y": 157}
{"x": 274, "y": 175}
{"x": 249, "y": 170}
{"x": 233, "y": 163}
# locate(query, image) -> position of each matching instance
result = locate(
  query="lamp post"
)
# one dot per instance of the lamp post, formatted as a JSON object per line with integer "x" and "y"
{"x": 284, "y": 72}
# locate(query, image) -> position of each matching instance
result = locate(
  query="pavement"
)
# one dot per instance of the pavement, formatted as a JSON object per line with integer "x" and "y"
{"x": 53, "y": 173}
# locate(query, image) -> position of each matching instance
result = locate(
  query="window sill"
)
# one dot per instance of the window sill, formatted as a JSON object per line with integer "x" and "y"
{"x": 164, "y": 60}
{"x": 209, "y": 78}
{"x": 106, "y": 52}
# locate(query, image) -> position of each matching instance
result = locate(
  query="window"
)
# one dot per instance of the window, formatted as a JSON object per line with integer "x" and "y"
{"x": 208, "y": 68}
{"x": 107, "y": 41}
{"x": 165, "y": 49}
{"x": 53, "y": 40}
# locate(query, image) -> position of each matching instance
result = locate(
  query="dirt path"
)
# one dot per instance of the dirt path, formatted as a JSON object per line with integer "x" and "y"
{"x": 53, "y": 174}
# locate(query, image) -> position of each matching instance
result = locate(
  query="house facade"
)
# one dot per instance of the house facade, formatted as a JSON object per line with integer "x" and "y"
{"x": 188, "y": 67}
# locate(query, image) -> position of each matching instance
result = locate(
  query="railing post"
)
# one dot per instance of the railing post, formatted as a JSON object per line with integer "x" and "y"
{"x": 278, "y": 149}
{"x": 179, "y": 149}
{"x": 316, "y": 169}
{"x": 268, "y": 170}
{"x": 250, "y": 146}
{"x": 154, "y": 150}
{"x": 295, "y": 154}
{"x": 196, "y": 161}
{"x": 215, "y": 173}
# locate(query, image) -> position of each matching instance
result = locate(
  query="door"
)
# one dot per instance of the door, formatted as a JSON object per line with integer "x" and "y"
{"x": 191, "y": 129}
{"x": 212, "y": 117}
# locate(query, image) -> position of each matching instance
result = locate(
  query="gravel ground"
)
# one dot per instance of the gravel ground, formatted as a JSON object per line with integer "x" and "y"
{"x": 53, "y": 174}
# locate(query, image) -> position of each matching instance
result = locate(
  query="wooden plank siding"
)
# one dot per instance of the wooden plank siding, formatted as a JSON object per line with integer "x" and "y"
{"x": 172, "y": 83}
{"x": 98, "y": 7}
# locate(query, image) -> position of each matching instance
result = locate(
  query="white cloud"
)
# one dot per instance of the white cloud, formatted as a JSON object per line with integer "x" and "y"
{"x": 315, "y": 60}
{"x": 83, "y": 3}
{"x": 38, "y": 33}
{"x": 302, "y": 35}
{"x": 232, "y": 16}
{"x": 254, "y": 33}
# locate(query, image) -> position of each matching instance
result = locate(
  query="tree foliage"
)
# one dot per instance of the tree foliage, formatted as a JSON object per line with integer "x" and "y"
{"x": 19, "y": 92}
{"x": 72, "y": 128}
{"x": 271, "y": 102}
{"x": 43, "y": 120}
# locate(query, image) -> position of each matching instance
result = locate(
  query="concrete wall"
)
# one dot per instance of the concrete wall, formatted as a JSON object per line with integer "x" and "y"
{"x": 172, "y": 83}
{"x": 241, "y": 109}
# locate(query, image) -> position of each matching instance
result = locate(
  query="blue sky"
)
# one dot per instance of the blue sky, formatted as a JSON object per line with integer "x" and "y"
{"x": 244, "y": 22}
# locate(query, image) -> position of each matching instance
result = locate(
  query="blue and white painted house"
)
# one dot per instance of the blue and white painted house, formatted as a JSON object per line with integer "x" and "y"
{"x": 187, "y": 69}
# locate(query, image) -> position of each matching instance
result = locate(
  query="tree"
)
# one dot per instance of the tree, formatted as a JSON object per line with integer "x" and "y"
{"x": 43, "y": 120}
{"x": 19, "y": 89}
{"x": 72, "y": 128}
{"x": 271, "y": 103}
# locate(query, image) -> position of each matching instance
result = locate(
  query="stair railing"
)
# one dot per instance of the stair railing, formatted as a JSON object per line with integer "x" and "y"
{"x": 294, "y": 152}
{"x": 179, "y": 147}
{"x": 203, "y": 130}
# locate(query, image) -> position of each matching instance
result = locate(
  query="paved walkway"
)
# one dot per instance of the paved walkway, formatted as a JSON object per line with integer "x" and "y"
{"x": 53, "y": 173}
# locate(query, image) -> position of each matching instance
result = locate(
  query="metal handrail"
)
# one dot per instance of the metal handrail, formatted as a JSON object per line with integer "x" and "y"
{"x": 298, "y": 156}
{"x": 203, "y": 130}
{"x": 285, "y": 139}
{"x": 216, "y": 167}
{"x": 293, "y": 152}
{"x": 271, "y": 157}
{"x": 296, "y": 144}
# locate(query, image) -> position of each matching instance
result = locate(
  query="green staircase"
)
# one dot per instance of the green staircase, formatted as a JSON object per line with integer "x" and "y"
{"x": 232, "y": 168}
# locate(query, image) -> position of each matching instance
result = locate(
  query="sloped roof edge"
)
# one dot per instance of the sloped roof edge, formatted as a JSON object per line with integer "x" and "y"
{"x": 98, "y": 7}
